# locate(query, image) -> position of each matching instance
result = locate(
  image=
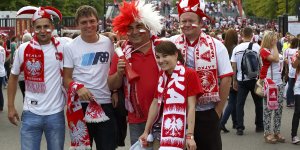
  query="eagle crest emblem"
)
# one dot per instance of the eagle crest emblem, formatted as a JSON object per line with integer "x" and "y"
{"x": 34, "y": 67}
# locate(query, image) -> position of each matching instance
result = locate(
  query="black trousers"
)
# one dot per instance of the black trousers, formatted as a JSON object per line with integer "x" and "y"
{"x": 207, "y": 132}
{"x": 121, "y": 114}
{"x": 22, "y": 88}
{"x": 103, "y": 133}
{"x": 296, "y": 116}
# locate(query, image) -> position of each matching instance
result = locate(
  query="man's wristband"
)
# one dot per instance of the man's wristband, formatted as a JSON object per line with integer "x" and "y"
{"x": 189, "y": 137}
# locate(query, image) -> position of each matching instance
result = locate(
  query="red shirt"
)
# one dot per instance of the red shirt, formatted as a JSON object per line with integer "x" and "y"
{"x": 145, "y": 66}
{"x": 264, "y": 53}
{"x": 193, "y": 86}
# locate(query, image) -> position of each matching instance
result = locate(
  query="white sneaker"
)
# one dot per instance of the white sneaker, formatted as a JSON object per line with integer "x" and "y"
{"x": 295, "y": 140}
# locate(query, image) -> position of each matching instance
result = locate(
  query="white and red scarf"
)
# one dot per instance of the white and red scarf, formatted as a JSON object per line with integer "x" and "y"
{"x": 33, "y": 65}
{"x": 173, "y": 94}
{"x": 271, "y": 94}
{"x": 205, "y": 58}
{"x": 130, "y": 90}
{"x": 80, "y": 139}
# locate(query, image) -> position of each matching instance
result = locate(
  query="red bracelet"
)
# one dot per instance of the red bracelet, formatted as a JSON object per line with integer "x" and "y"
{"x": 189, "y": 137}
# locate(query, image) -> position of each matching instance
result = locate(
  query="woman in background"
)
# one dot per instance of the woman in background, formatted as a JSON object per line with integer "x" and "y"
{"x": 230, "y": 42}
{"x": 296, "y": 116}
{"x": 272, "y": 67}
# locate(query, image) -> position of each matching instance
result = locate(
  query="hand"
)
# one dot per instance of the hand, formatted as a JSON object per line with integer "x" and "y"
{"x": 114, "y": 99}
{"x": 120, "y": 43}
{"x": 84, "y": 94}
{"x": 235, "y": 85}
{"x": 286, "y": 77}
{"x": 13, "y": 116}
{"x": 275, "y": 47}
{"x": 143, "y": 139}
{"x": 219, "y": 112}
{"x": 121, "y": 67}
{"x": 111, "y": 36}
{"x": 274, "y": 44}
{"x": 191, "y": 144}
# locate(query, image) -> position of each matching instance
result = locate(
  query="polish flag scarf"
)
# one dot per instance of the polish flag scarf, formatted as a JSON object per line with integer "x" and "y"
{"x": 80, "y": 139}
{"x": 130, "y": 90}
{"x": 33, "y": 66}
{"x": 205, "y": 59}
{"x": 172, "y": 91}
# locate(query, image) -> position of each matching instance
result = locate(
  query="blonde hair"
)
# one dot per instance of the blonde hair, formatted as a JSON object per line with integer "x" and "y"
{"x": 268, "y": 38}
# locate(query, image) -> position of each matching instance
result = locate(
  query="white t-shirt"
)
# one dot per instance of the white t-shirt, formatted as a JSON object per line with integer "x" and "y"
{"x": 288, "y": 54}
{"x": 277, "y": 70}
{"x": 53, "y": 100}
{"x": 91, "y": 62}
{"x": 237, "y": 55}
{"x": 2, "y": 61}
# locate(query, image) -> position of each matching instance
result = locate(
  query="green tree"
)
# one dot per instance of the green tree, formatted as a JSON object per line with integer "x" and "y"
{"x": 269, "y": 9}
{"x": 12, "y": 5}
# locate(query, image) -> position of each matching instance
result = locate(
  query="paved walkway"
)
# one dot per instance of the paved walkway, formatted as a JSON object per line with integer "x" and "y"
{"x": 9, "y": 134}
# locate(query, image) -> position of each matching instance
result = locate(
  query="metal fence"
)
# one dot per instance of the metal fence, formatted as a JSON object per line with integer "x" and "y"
{"x": 8, "y": 22}
{"x": 11, "y": 22}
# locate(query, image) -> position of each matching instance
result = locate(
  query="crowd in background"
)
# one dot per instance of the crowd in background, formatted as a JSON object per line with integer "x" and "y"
{"x": 236, "y": 34}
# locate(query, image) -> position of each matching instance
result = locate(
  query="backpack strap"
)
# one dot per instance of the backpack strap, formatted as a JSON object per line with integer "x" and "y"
{"x": 249, "y": 48}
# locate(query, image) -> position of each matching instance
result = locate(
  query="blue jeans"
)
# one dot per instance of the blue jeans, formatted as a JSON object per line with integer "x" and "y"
{"x": 244, "y": 87}
{"x": 230, "y": 108}
{"x": 290, "y": 97}
{"x": 33, "y": 126}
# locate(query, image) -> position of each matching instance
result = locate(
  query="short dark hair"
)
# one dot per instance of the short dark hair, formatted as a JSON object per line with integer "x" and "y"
{"x": 86, "y": 11}
{"x": 13, "y": 38}
{"x": 247, "y": 32}
{"x": 169, "y": 48}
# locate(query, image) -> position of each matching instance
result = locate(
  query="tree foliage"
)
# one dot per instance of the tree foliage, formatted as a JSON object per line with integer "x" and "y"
{"x": 67, "y": 7}
{"x": 269, "y": 9}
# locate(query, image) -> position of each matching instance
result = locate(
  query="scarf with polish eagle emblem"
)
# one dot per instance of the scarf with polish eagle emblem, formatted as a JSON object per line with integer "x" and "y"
{"x": 205, "y": 59}
{"x": 33, "y": 65}
{"x": 80, "y": 139}
{"x": 172, "y": 92}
